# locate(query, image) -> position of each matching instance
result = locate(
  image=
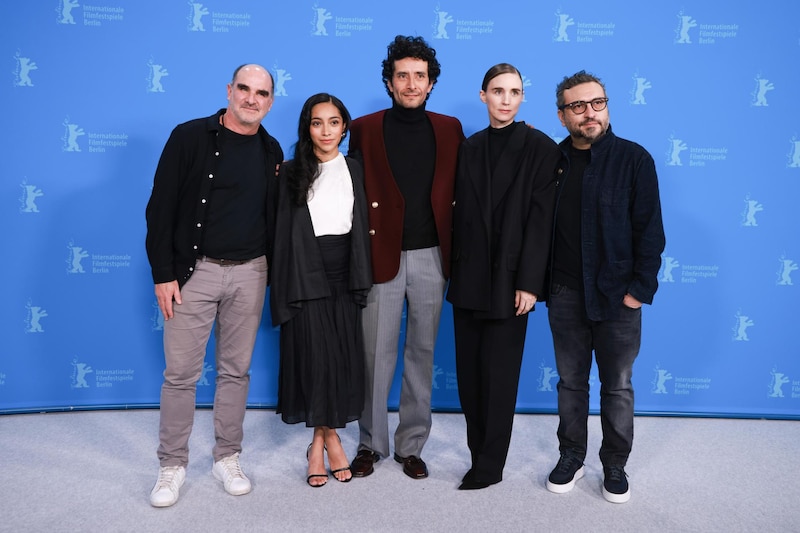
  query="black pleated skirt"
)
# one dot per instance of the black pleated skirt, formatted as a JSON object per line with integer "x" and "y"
{"x": 321, "y": 377}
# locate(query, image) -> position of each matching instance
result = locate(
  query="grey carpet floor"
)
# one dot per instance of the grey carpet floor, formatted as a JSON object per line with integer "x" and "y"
{"x": 92, "y": 471}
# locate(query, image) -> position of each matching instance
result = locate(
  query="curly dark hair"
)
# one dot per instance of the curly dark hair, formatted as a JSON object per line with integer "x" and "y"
{"x": 304, "y": 168}
{"x": 415, "y": 47}
{"x": 571, "y": 81}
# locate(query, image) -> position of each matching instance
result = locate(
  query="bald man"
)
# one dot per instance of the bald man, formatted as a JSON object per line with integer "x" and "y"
{"x": 207, "y": 242}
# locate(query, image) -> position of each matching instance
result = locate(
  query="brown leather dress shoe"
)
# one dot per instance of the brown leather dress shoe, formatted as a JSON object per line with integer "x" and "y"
{"x": 413, "y": 466}
{"x": 362, "y": 465}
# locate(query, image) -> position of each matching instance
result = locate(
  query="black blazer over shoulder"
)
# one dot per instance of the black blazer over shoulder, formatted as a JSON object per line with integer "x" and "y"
{"x": 502, "y": 221}
{"x": 297, "y": 272}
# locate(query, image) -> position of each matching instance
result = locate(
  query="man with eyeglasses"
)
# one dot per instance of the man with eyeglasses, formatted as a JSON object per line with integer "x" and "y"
{"x": 607, "y": 243}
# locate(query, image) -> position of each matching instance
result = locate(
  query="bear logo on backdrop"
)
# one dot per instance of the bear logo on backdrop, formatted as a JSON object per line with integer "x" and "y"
{"x": 707, "y": 33}
{"x": 79, "y": 372}
{"x": 546, "y": 376}
{"x": 34, "y": 315}
{"x": 98, "y": 142}
{"x": 71, "y": 134}
{"x": 465, "y": 29}
{"x": 321, "y": 16}
{"x": 22, "y": 74}
{"x": 157, "y": 318}
{"x": 749, "y": 213}
{"x": 75, "y": 256}
{"x": 92, "y": 15}
{"x": 281, "y": 76}
{"x": 743, "y": 323}
{"x": 676, "y": 146}
{"x": 586, "y": 32}
{"x": 203, "y": 381}
{"x": 437, "y": 371}
{"x": 668, "y": 265}
{"x": 563, "y": 21}
{"x": 685, "y": 23}
{"x": 662, "y": 375}
{"x": 28, "y": 198}
{"x": 443, "y": 18}
{"x": 776, "y": 383}
{"x": 526, "y": 82}
{"x": 698, "y": 156}
{"x": 787, "y": 266}
{"x": 196, "y": 13}
{"x": 794, "y": 153}
{"x": 680, "y": 385}
{"x": 344, "y": 26}
{"x": 220, "y": 22}
{"x": 763, "y": 86}
{"x": 155, "y": 73}
{"x": 65, "y": 11}
{"x": 640, "y": 85}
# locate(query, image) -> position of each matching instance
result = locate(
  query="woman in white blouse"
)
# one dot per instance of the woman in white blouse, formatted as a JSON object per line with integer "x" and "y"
{"x": 320, "y": 276}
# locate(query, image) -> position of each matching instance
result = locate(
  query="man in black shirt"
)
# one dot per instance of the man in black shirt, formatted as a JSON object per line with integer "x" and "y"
{"x": 207, "y": 242}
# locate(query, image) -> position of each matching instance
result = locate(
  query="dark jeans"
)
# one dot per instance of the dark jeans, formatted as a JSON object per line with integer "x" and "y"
{"x": 616, "y": 345}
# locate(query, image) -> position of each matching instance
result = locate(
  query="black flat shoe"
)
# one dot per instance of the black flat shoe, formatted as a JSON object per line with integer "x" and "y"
{"x": 474, "y": 484}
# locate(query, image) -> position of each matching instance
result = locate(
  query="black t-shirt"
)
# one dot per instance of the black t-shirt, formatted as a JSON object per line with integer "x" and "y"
{"x": 567, "y": 257}
{"x": 235, "y": 225}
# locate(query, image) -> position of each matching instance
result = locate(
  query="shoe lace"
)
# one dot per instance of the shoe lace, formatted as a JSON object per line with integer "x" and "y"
{"x": 616, "y": 473}
{"x": 166, "y": 476}
{"x": 566, "y": 462}
{"x": 232, "y": 466}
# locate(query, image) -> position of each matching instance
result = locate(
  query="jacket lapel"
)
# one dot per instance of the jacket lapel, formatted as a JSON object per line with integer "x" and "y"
{"x": 478, "y": 173}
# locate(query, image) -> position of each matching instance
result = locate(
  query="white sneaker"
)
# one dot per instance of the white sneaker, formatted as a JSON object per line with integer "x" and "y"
{"x": 230, "y": 473}
{"x": 166, "y": 490}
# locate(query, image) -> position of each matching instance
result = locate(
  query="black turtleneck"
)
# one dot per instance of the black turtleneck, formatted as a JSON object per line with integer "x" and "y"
{"x": 411, "y": 149}
{"x": 498, "y": 139}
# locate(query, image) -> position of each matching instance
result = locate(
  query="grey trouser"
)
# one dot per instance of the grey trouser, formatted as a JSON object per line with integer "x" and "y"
{"x": 419, "y": 282}
{"x": 232, "y": 297}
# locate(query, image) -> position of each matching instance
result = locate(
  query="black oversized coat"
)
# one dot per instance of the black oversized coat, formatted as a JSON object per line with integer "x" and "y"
{"x": 502, "y": 221}
{"x": 297, "y": 273}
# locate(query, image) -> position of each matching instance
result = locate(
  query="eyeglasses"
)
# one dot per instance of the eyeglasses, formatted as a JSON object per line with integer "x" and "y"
{"x": 579, "y": 107}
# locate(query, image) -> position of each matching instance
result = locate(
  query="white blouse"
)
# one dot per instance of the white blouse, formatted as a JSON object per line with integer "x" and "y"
{"x": 330, "y": 200}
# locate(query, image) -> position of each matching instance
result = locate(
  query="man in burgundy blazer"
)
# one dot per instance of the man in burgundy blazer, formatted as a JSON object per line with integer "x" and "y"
{"x": 409, "y": 157}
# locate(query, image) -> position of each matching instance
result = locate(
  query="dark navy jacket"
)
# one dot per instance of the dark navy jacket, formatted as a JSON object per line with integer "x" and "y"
{"x": 622, "y": 235}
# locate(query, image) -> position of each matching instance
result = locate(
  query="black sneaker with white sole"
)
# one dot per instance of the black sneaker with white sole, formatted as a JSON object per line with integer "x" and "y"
{"x": 563, "y": 477}
{"x": 615, "y": 484}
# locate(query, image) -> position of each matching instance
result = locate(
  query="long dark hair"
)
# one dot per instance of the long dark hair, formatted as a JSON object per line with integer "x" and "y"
{"x": 305, "y": 167}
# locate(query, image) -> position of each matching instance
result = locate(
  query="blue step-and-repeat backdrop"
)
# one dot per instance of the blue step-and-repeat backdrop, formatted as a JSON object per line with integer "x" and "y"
{"x": 94, "y": 87}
